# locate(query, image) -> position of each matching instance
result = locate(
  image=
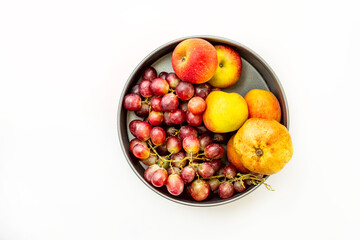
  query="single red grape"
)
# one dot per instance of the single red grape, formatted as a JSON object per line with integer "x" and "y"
{"x": 169, "y": 102}
{"x": 150, "y": 160}
{"x": 216, "y": 164}
{"x": 220, "y": 138}
{"x": 171, "y": 131}
{"x": 184, "y": 106}
{"x": 156, "y": 118}
{"x": 175, "y": 185}
{"x": 202, "y": 130}
{"x": 162, "y": 150}
{"x": 177, "y": 116}
{"x": 202, "y": 90}
{"x": 191, "y": 144}
{"x": 150, "y": 171}
{"x": 239, "y": 186}
{"x": 197, "y": 105}
{"x": 132, "y": 126}
{"x": 173, "y": 145}
{"x": 159, "y": 177}
{"x": 143, "y": 111}
{"x": 132, "y": 102}
{"x": 149, "y": 73}
{"x": 173, "y": 80}
{"x": 226, "y": 190}
{"x": 199, "y": 190}
{"x": 178, "y": 160}
{"x": 186, "y": 131}
{"x": 136, "y": 90}
{"x": 187, "y": 174}
{"x": 163, "y": 75}
{"x": 157, "y": 135}
{"x": 134, "y": 142}
{"x": 193, "y": 119}
{"x": 142, "y": 131}
{"x": 155, "y": 104}
{"x": 145, "y": 89}
{"x": 167, "y": 120}
{"x": 230, "y": 171}
{"x": 214, "y": 184}
{"x": 205, "y": 140}
{"x": 185, "y": 90}
{"x": 159, "y": 86}
{"x": 206, "y": 170}
{"x": 214, "y": 151}
{"x": 141, "y": 151}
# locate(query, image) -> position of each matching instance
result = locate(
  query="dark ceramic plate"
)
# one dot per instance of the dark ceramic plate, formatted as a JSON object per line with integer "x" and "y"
{"x": 255, "y": 74}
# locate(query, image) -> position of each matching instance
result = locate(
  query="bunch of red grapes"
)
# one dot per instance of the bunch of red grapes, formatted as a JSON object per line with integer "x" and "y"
{"x": 179, "y": 151}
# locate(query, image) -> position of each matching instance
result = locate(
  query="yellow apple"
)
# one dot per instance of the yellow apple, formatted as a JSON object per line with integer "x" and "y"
{"x": 225, "y": 112}
{"x": 229, "y": 67}
{"x": 264, "y": 145}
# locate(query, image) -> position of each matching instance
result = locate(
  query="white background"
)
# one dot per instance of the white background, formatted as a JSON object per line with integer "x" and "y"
{"x": 63, "y": 65}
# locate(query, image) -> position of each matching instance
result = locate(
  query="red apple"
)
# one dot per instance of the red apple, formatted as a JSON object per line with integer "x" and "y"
{"x": 195, "y": 60}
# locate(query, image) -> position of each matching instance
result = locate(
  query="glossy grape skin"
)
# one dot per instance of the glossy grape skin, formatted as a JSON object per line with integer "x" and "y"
{"x": 150, "y": 171}
{"x": 171, "y": 131}
{"x": 216, "y": 164}
{"x": 162, "y": 150}
{"x": 150, "y": 160}
{"x": 191, "y": 144}
{"x": 185, "y": 90}
{"x": 230, "y": 171}
{"x": 175, "y": 185}
{"x": 199, "y": 190}
{"x": 187, "y": 174}
{"x": 202, "y": 130}
{"x": 193, "y": 119}
{"x": 142, "y": 131}
{"x": 177, "y": 159}
{"x": 167, "y": 120}
{"x": 173, "y": 170}
{"x": 157, "y": 135}
{"x": 239, "y": 187}
{"x": 143, "y": 111}
{"x": 186, "y": 131}
{"x": 202, "y": 90}
{"x": 214, "y": 184}
{"x": 226, "y": 190}
{"x": 132, "y": 126}
{"x": 141, "y": 151}
{"x": 136, "y": 90}
{"x": 205, "y": 140}
{"x": 149, "y": 73}
{"x": 214, "y": 151}
{"x": 177, "y": 116}
{"x": 173, "y": 145}
{"x": 134, "y": 142}
{"x": 163, "y": 75}
{"x": 184, "y": 106}
{"x": 156, "y": 118}
{"x": 132, "y": 102}
{"x": 156, "y": 104}
{"x": 173, "y": 80}
{"x": 169, "y": 102}
{"x": 159, "y": 177}
{"x": 220, "y": 138}
{"x": 145, "y": 89}
{"x": 159, "y": 86}
{"x": 206, "y": 170}
{"x": 197, "y": 105}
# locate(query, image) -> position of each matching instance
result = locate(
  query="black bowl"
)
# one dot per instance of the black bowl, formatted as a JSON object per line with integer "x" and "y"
{"x": 255, "y": 74}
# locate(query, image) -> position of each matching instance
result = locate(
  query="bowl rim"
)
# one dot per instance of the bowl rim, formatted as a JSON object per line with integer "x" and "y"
{"x": 148, "y": 56}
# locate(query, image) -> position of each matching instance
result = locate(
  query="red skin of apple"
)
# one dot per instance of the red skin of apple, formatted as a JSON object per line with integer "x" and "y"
{"x": 195, "y": 60}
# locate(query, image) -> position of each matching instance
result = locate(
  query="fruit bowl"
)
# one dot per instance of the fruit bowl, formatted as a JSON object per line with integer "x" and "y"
{"x": 256, "y": 73}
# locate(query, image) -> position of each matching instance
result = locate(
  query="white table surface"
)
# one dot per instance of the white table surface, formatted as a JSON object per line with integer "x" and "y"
{"x": 63, "y": 65}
